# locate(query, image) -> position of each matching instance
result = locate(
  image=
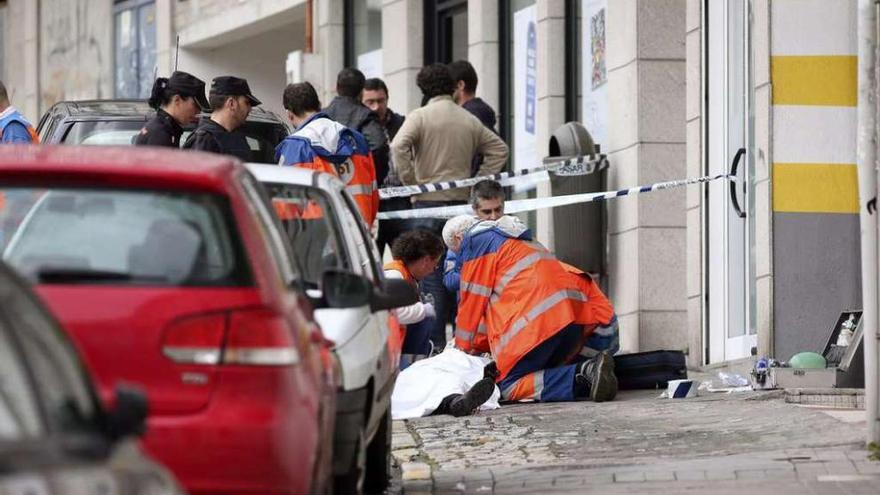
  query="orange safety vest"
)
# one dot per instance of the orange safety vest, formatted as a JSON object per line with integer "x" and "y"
{"x": 361, "y": 185}
{"x": 326, "y": 146}
{"x": 398, "y": 330}
{"x": 514, "y": 295}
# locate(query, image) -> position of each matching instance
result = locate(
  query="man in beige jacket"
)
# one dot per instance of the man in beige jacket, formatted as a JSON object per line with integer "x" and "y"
{"x": 437, "y": 143}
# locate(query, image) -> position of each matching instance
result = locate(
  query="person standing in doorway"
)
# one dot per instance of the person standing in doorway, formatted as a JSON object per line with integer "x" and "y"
{"x": 14, "y": 128}
{"x": 231, "y": 102}
{"x": 177, "y": 100}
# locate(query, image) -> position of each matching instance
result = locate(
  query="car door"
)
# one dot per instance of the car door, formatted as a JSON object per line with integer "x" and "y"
{"x": 368, "y": 255}
{"x": 310, "y": 219}
{"x": 48, "y": 413}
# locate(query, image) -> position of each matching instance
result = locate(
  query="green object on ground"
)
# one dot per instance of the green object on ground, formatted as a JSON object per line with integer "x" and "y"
{"x": 807, "y": 360}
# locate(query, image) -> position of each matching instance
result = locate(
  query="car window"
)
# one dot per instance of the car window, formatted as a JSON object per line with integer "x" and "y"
{"x": 63, "y": 388}
{"x": 365, "y": 242}
{"x": 261, "y": 137}
{"x": 312, "y": 226}
{"x": 103, "y": 133}
{"x": 124, "y": 237}
{"x": 285, "y": 258}
{"x": 19, "y": 412}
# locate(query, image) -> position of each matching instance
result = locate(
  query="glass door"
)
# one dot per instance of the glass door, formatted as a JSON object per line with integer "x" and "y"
{"x": 729, "y": 231}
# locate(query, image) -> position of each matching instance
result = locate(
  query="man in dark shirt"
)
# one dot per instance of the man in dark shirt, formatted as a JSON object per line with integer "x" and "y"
{"x": 465, "y": 77}
{"x": 231, "y": 102}
{"x": 347, "y": 109}
{"x": 375, "y": 97}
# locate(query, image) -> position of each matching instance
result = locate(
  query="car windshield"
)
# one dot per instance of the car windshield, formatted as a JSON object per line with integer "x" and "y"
{"x": 262, "y": 137}
{"x": 127, "y": 237}
{"x": 104, "y": 133}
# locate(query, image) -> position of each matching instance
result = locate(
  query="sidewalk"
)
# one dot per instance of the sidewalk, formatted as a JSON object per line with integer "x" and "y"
{"x": 748, "y": 442}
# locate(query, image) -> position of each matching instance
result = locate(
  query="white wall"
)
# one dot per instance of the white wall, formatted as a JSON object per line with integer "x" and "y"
{"x": 260, "y": 59}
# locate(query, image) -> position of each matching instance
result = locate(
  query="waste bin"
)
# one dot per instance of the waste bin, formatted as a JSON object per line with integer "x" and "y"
{"x": 579, "y": 231}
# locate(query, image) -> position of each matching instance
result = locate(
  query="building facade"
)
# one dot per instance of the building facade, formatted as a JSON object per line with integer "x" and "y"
{"x": 668, "y": 88}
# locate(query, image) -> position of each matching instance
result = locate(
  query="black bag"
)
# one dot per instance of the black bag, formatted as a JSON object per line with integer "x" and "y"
{"x": 649, "y": 370}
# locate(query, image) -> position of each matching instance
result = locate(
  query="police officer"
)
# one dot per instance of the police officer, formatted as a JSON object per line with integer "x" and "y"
{"x": 178, "y": 100}
{"x": 231, "y": 102}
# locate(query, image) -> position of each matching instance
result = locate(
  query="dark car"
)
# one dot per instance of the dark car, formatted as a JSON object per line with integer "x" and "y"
{"x": 55, "y": 438}
{"x": 115, "y": 122}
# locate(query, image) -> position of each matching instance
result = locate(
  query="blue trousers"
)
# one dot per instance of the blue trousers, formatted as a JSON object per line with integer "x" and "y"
{"x": 547, "y": 372}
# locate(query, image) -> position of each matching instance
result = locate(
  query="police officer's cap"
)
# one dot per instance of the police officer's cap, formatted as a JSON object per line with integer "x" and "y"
{"x": 188, "y": 85}
{"x": 233, "y": 86}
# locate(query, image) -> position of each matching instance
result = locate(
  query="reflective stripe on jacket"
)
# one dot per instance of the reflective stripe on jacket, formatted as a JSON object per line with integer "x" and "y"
{"x": 327, "y": 146}
{"x": 532, "y": 295}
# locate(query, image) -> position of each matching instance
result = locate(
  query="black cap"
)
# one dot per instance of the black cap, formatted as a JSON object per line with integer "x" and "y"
{"x": 189, "y": 85}
{"x": 233, "y": 86}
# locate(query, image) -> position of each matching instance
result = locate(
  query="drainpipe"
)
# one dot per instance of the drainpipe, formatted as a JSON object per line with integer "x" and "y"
{"x": 309, "y": 42}
{"x": 866, "y": 149}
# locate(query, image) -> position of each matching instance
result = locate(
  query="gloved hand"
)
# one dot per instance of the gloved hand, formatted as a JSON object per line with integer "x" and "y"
{"x": 430, "y": 312}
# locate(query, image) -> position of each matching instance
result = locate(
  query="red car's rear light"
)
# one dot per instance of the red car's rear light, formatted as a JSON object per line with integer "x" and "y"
{"x": 250, "y": 337}
{"x": 195, "y": 340}
{"x": 259, "y": 337}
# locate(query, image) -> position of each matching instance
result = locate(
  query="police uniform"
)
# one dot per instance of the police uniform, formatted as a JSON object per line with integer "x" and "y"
{"x": 162, "y": 129}
{"x": 213, "y": 137}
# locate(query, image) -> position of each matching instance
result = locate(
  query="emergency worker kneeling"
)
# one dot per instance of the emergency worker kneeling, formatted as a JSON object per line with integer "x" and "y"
{"x": 549, "y": 328}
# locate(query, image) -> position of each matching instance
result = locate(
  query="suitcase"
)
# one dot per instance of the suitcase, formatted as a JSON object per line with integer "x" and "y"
{"x": 649, "y": 370}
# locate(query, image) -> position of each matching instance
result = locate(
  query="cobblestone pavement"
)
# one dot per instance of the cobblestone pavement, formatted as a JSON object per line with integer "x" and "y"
{"x": 748, "y": 442}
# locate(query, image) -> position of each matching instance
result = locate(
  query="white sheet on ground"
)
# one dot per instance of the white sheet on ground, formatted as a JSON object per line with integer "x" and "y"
{"x": 421, "y": 387}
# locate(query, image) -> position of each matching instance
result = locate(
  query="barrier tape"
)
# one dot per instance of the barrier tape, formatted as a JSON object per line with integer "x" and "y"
{"x": 523, "y": 205}
{"x": 573, "y": 166}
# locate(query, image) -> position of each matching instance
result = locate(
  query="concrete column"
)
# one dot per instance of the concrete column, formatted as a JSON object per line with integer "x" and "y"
{"x": 330, "y": 44}
{"x": 646, "y": 90}
{"x": 402, "y": 52}
{"x": 694, "y": 198}
{"x": 23, "y": 57}
{"x": 483, "y": 48}
{"x": 551, "y": 95}
{"x": 166, "y": 36}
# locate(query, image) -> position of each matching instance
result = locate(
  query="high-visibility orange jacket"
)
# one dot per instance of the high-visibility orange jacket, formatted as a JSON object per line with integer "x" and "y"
{"x": 514, "y": 293}
{"x": 328, "y": 146}
{"x": 398, "y": 330}
{"x": 601, "y": 310}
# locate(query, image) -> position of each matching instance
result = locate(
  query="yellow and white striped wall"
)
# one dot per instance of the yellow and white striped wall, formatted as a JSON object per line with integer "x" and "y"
{"x": 814, "y": 181}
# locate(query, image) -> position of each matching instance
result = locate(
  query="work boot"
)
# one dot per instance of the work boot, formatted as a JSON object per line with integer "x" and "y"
{"x": 597, "y": 374}
{"x": 467, "y": 403}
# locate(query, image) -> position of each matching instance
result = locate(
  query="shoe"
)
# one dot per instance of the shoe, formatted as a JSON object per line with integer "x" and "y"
{"x": 467, "y": 403}
{"x": 598, "y": 373}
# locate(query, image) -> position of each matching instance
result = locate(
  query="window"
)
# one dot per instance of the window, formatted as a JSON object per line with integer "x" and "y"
{"x": 135, "y": 46}
{"x": 363, "y": 36}
{"x": 310, "y": 221}
{"x": 366, "y": 246}
{"x": 82, "y": 236}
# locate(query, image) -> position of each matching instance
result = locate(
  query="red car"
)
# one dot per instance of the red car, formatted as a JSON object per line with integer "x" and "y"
{"x": 168, "y": 270}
